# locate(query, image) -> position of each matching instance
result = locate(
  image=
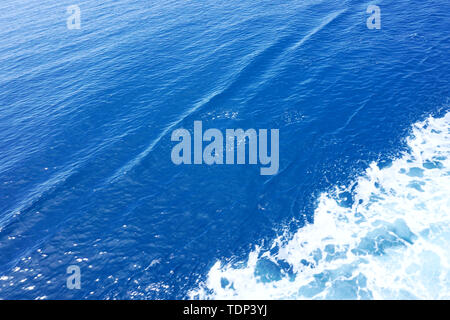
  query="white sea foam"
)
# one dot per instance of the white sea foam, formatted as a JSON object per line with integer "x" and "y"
{"x": 391, "y": 242}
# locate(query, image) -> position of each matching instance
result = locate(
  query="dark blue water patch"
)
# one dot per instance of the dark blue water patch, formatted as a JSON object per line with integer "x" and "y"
{"x": 433, "y": 165}
{"x": 346, "y": 199}
{"x": 267, "y": 270}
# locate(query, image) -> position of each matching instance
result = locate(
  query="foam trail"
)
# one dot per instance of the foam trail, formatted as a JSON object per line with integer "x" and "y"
{"x": 391, "y": 242}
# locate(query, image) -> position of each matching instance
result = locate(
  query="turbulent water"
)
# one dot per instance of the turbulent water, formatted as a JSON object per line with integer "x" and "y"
{"x": 391, "y": 243}
{"x": 360, "y": 205}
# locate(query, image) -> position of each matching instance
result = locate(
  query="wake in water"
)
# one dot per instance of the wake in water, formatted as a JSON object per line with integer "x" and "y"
{"x": 386, "y": 236}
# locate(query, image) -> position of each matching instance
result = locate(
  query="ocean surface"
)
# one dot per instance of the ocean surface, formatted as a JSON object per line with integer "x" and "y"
{"x": 359, "y": 209}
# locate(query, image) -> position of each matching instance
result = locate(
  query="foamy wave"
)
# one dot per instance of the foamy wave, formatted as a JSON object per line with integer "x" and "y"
{"x": 390, "y": 242}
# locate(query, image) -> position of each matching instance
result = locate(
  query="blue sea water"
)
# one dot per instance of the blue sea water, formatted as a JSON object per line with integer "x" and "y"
{"x": 359, "y": 208}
